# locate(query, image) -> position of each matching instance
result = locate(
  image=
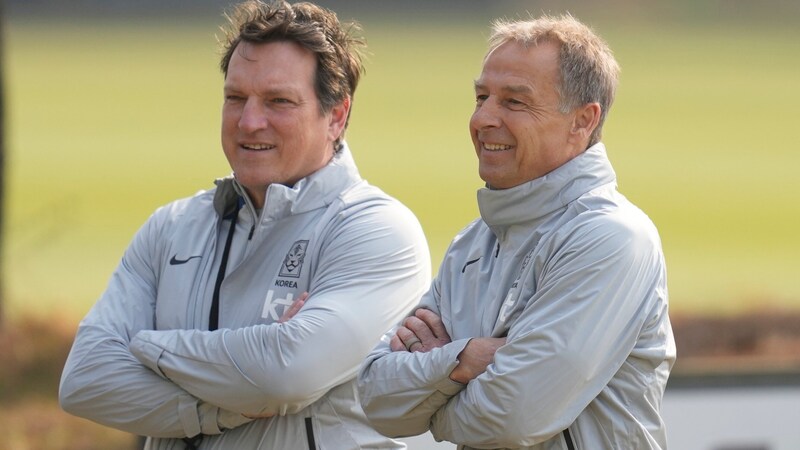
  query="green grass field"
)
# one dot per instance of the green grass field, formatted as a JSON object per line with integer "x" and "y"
{"x": 107, "y": 122}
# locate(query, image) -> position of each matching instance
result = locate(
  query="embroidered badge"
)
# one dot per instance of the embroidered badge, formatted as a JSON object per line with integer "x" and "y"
{"x": 293, "y": 262}
{"x": 512, "y": 296}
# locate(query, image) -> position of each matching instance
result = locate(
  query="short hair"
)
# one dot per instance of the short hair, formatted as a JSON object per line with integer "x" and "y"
{"x": 589, "y": 72}
{"x": 337, "y": 46}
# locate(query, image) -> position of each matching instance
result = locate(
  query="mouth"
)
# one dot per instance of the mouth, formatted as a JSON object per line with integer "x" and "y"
{"x": 257, "y": 147}
{"x": 495, "y": 147}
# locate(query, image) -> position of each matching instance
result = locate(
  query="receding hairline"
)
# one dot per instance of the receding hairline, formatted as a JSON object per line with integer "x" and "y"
{"x": 519, "y": 88}
{"x": 536, "y": 30}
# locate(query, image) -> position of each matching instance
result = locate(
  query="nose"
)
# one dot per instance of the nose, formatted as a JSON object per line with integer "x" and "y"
{"x": 254, "y": 116}
{"x": 486, "y": 115}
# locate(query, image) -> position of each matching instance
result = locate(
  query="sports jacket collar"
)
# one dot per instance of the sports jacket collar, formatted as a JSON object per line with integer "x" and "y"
{"x": 317, "y": 190}
{"x": 540, "y": 197}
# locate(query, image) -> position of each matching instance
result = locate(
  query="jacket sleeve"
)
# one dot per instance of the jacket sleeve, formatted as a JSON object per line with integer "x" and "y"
{"x": 370, "y": 273}
{"x": 401, "y": 391}
{"x": 102, "y": 381}
{"x": 593, "y": 298}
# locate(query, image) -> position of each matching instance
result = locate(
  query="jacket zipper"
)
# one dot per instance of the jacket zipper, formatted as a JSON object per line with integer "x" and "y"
{"x": 568, "y": 439}
{"x": 213, "y": 315}
{"x": 312, "y": 445}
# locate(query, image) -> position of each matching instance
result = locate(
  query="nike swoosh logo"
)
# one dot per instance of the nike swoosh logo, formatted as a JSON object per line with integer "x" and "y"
{"x": 175, "y": 261}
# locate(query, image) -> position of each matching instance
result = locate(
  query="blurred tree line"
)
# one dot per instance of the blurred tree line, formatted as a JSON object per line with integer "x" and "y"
{"x": 700, "y": 11}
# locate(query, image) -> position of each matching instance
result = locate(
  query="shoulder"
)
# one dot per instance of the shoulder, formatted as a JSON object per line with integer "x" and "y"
{"x": 365, "y": 202}
{"x": 365, "y": 219}
{"x": 470, "y": 232}
{"x": 615, "y": 226}
{"x": 171, "y": 215}
{"x": 472, "y": 242}
{"x": 201, "y": 200}
{"x": 374, "y": 228}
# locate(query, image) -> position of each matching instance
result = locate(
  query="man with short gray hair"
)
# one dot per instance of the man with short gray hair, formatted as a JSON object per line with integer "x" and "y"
{"x": 547, "y": 325}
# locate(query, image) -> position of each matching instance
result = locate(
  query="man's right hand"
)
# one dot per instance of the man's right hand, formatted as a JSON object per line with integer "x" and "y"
{"x": 475, "y": 358}
{"x": 294, "y": 309}
{"x": 421, "y": 332}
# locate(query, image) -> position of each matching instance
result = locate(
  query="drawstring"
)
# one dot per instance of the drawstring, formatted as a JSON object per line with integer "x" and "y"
{"x": 193, "y": 443}
{"x": 213, "y": 317}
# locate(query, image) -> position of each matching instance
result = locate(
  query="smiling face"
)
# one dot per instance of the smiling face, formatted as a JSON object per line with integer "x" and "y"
{"x": 517, "y": 128}
{"x": 273, "y": 130}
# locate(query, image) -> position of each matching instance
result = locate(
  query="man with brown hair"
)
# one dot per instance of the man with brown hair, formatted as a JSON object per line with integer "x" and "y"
{"x": 200, "y": 341}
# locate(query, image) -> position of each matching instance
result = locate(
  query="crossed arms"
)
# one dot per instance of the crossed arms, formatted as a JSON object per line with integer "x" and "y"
{"x": 124, "y": 373}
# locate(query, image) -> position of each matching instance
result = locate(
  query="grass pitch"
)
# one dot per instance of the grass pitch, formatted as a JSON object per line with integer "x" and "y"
{"x": 108, "y": 122}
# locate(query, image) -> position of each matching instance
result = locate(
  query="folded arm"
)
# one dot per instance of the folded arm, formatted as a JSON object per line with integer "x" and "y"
{"x": 368, "y": 277}
{"x": 406, "y": 378}
{"x": 102, "y": 381}
{"x": 574, "y": 335}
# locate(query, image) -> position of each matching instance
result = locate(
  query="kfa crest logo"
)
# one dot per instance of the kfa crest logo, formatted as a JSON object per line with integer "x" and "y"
{"x": 293, "y": 262}
{"x": 510, "y": 302}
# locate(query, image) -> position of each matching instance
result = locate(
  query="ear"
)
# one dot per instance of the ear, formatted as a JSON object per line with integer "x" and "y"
{"x": 584, "y": 122}
{"x": 338, "y": 119}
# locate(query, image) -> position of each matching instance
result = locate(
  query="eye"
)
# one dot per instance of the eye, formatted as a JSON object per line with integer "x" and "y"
{"x": 515, "y": 104}
{"x": 229, "y": 98}
{"x": 480, "y": 98}
{"x": 282, "y": 101}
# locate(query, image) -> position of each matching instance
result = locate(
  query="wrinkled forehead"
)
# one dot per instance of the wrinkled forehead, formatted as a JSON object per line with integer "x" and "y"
{"x": 521, "y": 66}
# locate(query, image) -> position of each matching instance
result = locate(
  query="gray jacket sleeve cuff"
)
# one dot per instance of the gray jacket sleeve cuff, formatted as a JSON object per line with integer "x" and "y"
{"x": 148, "y": 354}
{"x": 450, "y": 354}
{"x": 187, "y": 411}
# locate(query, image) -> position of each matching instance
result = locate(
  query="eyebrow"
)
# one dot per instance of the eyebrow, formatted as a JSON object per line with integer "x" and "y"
{"x": 514, "y": 88}
{"x": 518, "y": 89}
{"x": 269, "y": 92}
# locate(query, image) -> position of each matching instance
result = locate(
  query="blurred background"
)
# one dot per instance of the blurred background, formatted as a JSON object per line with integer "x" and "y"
{"x": 112, "y": 108}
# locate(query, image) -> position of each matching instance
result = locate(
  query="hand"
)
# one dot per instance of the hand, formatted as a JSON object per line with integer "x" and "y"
{"x": 294, "y": 309}
{"x": 421, "y": 332}
{"x": 287, "y": 315}
{"x": 475, "y": 358}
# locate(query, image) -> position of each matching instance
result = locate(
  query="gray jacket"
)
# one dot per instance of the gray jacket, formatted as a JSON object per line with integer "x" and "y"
{"x": 573, "y": 275}
{"x": 142, "y": 363}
